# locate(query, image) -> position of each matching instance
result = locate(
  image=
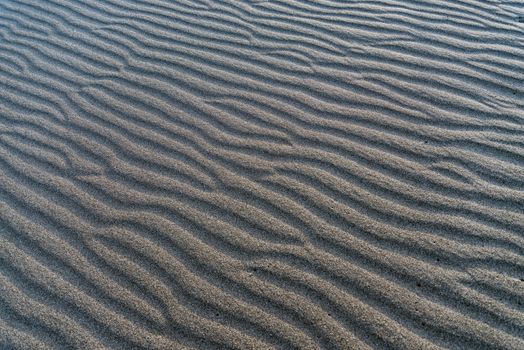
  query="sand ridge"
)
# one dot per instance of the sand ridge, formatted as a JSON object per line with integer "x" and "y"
{"x": 286, "y": 174}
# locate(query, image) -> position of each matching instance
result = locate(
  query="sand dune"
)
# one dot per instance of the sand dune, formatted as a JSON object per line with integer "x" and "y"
{"x": 261, "y": 174}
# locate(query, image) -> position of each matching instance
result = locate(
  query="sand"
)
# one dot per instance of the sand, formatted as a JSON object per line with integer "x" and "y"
{"x": 281, "y": 174}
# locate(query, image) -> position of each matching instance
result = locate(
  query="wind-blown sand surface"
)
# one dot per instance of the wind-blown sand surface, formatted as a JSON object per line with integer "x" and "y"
{"x": 261, "y": 174}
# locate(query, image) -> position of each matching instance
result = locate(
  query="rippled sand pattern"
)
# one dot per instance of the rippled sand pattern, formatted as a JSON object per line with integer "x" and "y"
{"x": 289, "y": 174}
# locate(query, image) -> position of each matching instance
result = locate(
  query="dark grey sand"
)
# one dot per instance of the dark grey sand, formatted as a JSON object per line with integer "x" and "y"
{"x": 291, "y": 174}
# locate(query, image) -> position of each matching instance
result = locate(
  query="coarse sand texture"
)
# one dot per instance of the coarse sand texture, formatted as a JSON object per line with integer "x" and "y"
{"x": 250, "y": 174}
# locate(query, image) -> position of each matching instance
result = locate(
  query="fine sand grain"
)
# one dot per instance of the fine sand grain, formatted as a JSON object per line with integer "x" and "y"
{"x": 242, "y": 174}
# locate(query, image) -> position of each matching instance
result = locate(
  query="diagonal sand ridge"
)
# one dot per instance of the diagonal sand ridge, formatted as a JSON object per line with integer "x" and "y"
{"x": 280, "y": 174}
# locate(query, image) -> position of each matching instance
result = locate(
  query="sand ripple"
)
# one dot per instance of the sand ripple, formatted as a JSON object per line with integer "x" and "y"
{"x": 261, "y": 174}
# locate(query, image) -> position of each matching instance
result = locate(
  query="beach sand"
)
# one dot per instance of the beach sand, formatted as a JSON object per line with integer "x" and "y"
{"x": 282, "y": 174}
